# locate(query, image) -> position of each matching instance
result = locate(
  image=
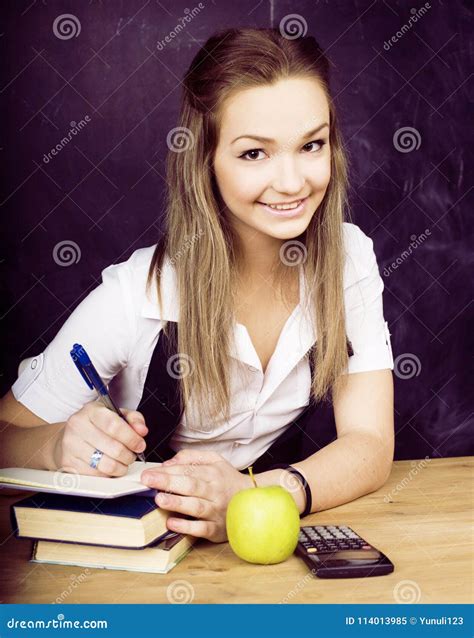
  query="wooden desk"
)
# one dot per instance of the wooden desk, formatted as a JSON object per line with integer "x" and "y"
{"x": 421, "y": 519}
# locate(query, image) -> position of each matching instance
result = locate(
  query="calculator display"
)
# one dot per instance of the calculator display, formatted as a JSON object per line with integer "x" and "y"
{"x": 352, "y": 556}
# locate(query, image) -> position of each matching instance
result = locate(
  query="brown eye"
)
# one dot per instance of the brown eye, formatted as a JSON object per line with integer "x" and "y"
{"x": 253, "y": 150}
{"x": 320, "y": 142}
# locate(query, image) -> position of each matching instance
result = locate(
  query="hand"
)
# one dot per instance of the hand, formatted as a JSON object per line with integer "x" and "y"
{"x": 198, "y": 483}
{"x": 96, "y": 427}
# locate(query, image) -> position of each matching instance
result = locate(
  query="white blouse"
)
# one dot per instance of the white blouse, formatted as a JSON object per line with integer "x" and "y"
{"x": 119, "y": 325}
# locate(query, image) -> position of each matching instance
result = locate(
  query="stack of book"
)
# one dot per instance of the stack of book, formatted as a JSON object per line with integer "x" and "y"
{"x": 119, "y": 527}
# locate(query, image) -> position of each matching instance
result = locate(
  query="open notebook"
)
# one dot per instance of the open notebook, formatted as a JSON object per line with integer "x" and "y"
{"x": 78, "y": 484}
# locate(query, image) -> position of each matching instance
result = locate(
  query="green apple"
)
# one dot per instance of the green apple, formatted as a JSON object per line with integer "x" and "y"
{"x": 263, "y": 524}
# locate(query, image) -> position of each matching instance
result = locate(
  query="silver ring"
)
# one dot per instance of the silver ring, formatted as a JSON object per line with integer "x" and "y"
{"x": 95, "y": 458}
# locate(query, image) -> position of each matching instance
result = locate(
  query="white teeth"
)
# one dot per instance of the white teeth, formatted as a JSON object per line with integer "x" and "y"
{"x": 284, "y": 206}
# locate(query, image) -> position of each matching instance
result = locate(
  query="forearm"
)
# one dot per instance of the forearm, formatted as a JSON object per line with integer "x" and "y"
{"x": 351, "y": 466}
{"x": 31, "y": 447}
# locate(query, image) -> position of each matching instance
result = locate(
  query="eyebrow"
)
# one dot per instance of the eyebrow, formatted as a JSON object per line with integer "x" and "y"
{"x": 269, "y": 140}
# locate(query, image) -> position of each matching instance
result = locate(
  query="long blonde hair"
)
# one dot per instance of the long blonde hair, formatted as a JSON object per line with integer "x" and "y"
{"x": 232, "y": 60}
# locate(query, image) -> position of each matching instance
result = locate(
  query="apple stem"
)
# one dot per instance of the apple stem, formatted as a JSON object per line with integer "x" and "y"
{"x": 252, "y": 476}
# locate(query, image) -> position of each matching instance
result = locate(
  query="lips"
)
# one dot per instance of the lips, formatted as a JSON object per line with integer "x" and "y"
{"x": 287, "y": 211}
{"x": 284, "y": 205}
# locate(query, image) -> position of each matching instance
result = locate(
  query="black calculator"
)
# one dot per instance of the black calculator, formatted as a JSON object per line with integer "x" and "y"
{"x": 336, "y": 551}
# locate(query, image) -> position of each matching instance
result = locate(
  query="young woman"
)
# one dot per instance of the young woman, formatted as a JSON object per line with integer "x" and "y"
{"x": 258, "y": 302}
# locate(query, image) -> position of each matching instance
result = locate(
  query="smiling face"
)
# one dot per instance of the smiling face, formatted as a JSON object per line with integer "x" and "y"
{"x": 274, "y": 149}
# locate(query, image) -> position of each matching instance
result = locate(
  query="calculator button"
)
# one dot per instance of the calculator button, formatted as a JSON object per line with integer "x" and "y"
{"x": 311, "y": 550}
{"x": 366, "y": 547}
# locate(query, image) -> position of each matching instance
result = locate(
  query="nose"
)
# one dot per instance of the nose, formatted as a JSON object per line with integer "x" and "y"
{"x": 289, "y": 177}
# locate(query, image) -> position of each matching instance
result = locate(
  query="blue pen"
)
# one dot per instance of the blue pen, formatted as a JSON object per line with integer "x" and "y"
{"x": 93, "y": 380}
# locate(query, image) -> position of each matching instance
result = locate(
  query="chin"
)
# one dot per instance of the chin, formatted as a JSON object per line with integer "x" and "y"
{"x": 289, "y": 230}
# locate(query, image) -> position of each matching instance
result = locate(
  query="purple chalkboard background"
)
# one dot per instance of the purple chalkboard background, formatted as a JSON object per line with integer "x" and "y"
{"x": 401, "y": 80}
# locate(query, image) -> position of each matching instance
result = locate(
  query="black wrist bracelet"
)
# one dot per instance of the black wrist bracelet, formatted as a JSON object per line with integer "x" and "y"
{"x": 304, "y": 483}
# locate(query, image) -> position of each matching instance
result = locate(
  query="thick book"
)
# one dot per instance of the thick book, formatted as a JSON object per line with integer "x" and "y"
{"x": 77, "y": 484}
{"x": 128, "y": 521}
{"x": 158, "y": 558}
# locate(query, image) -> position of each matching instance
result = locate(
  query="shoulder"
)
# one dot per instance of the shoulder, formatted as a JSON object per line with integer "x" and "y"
{"x": 130, "y": 273}
{"x": 134, "y": 266}
{"x": 362, "y": 281}
{"x": 132, "y": 276}
{"x": 360, "y": 257}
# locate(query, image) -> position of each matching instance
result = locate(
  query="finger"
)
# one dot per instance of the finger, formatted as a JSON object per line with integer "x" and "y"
{"x": 136, "y": 420}
{"x": 202, "y": 529}
{"x": 198, "y": 507}
{"x": 176, "y": 483}
{"x": 206, "y": 473}
{"x": 187, "y": 455}
{"x": 79, "y": 466}
{"x": 113, "y": 448}
{"x": 107, "y": 466}
{"x": 115, "y": 427}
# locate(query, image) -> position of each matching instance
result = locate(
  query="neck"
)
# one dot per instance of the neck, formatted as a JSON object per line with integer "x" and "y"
{"x": 258, "y": 255}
